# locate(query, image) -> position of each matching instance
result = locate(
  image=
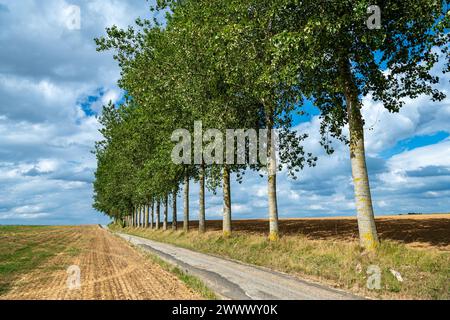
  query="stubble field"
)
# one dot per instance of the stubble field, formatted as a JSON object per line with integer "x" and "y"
{"x": 34, "y": 263}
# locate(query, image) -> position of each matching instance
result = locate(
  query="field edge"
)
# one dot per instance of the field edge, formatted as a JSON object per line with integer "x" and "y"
{"x": 429, "y": 266}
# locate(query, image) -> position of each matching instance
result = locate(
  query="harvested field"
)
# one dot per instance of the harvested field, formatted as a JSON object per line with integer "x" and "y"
{"x": 414, "y": 230}
{"x": 110, "y": 268}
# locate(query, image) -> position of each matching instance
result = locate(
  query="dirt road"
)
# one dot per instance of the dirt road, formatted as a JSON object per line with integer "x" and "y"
{"x": 238, "y": 281}
{"x": 110, "y": 270}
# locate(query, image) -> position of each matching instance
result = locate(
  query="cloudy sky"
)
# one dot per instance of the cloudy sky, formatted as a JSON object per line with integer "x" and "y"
{"x": 53, "y": 82}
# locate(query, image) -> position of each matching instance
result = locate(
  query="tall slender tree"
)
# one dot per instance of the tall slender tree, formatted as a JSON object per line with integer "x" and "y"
{"x": 158, "y": 214}
{"x": 174, "y": 210}
{"x": 186, "y": 203}
{"x": 337, "y": 61}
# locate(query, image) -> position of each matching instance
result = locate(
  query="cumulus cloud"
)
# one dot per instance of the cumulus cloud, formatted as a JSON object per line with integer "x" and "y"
{"x": 418, "y": 117}
{"x": 47, "y": 70}
{"x": 53, "y": 82}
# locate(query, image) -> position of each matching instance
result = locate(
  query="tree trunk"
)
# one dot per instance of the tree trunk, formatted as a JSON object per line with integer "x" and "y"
{"x": 152, "y": 213}
{"x": 186, "y": 203}
{"x": 158, "y": 214}
{"x": 174, "y": 210}
{"x": 146, "y": 211}
{"x": 136, "y": 218}
{"x": 166, "y": 211}
{"x": 139, "y": 217}
{"x": 201, "y": 214}
{"x": 272, "y": 181}
{"x": 366, "y": 221}
{"x": 226, "y": 202}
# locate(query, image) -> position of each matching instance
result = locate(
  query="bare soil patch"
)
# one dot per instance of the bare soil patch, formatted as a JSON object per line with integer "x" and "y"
{"x": 414, "y": 230}
{"x": 110, "y": 270}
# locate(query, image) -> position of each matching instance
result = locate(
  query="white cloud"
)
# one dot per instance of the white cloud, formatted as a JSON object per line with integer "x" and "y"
{"x": 420, "y": 116}
{"x": 46, "y": 69}
{"x": 433, "y": 155}
{"x": 46, "y": 168}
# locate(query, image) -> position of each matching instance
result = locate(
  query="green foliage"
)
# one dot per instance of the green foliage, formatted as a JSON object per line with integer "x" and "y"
{"x": 326, "y": 48}
{"x": 252, "y": 64}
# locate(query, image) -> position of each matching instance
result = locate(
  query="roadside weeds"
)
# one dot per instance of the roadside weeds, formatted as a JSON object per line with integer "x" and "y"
{"x": 340, "y": 264}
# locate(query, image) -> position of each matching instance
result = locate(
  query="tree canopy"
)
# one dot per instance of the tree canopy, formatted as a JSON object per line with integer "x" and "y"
{"x": 252, "y": 64}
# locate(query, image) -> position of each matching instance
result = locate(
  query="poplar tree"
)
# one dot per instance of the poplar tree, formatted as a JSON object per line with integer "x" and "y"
{"x": 338, "y": 56}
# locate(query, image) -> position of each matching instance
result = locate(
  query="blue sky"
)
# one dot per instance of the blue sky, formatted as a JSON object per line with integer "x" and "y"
{"x": 53, "y": 82}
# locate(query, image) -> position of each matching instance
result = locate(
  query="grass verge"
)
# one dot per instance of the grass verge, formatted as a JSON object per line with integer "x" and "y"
{"x": 337, "y": 263}
{"x": 190, "y": 281}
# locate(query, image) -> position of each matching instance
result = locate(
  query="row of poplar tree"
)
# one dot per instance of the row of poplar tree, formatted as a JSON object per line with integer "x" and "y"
{"x": 255, "y": 64}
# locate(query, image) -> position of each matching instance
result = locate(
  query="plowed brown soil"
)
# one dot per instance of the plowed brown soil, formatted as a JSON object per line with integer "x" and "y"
{"x": 110, "y": 270}
{"x": 413, "y": 230}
